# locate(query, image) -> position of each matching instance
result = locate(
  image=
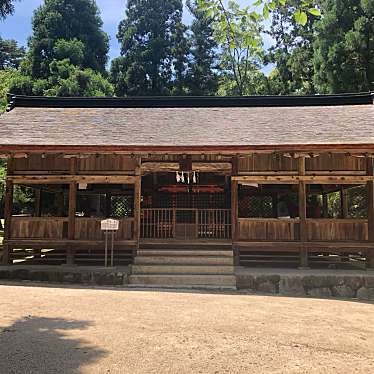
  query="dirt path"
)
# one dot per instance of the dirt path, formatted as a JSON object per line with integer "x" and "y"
{"x": 67, "y": 330}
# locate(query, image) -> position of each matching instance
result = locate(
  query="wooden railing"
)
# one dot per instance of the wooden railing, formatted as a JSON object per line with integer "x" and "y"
{"x": 38, "y": 227}
{"x": 337, "y": 229}
{"x": 271, "y": 229}
{"x": 185, "y": 223}
{"x": 57, "y": 228}
{"x": 275, "y": 229}
{"x": 89, "y": 229}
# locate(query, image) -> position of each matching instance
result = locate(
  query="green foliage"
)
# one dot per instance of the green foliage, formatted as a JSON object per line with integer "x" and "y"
{"x": 6, "y": 8}
{"x": 6, "y": 76}
{"x": 60, "y": 29}
{"x": 148, "y": 37}
{"x": 255, "y": 83}
{"x": 73, "y": 50}
{"x": 215, "y": 8}
{"x": 68, "y": 52}
{"x": 64, "y": 79}
{"x": 10, "y": 54}
{"x": 180, "y": 53}
{"x": 344, "y": 46}
{"x": 239, "y": 36}
{"x": 292, "y": 52}
{"x": 202, "y": 77}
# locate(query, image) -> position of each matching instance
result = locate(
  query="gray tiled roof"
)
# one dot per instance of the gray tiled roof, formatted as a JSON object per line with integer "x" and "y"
{"x": 178, "y": 127}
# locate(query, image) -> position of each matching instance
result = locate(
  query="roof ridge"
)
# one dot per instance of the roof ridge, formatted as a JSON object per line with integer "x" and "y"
{"x": 189, "y": 101}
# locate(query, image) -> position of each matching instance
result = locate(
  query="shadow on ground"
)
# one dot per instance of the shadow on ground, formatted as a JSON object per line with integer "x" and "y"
{"x": 42, "y": 345}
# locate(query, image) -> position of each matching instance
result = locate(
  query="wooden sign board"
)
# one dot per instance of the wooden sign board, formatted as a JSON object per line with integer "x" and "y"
{"x": 109, "y": 225}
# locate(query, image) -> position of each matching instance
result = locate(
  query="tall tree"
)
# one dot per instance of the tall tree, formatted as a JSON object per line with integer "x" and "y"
{"x": 67, "y": 19}
{"x": 147, "y": 38}
{"x": 344, "y": 46}
{"x": 180, "y": 54}
{"x": 10, "y": 54}
{"x": 292, "y": 51}
{"x": 6, "y": 8}
{"x": 202, "y": 75}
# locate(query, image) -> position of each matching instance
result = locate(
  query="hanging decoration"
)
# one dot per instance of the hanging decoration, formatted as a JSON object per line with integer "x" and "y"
{"x": 186, "y": 177}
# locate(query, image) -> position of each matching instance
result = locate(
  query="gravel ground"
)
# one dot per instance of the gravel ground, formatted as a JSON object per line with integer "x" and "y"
{"x": 77, "y": 330}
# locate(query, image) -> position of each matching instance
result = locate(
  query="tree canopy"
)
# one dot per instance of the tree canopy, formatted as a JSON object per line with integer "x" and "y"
{"x": 149, "y": 41}
{"x": 344, "y": 46}
{"x": 10, "y": 54}
{"x": 69, "y": 20}
{"x": 318, "y": 46}
{"x": 6, "y": 8}
{"x": 202, "y": 77}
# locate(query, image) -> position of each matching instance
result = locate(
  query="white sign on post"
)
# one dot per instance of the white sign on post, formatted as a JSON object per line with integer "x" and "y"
{"x": 109, "y": 225}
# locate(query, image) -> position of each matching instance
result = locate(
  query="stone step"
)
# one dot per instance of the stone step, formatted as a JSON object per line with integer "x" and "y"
{"x": 177, "y": 280}
{"x": 170, "y": 252}
{"x": 182, "y": 269}
{"x": 183, "y": 260}
{"x": 188, "y": 245}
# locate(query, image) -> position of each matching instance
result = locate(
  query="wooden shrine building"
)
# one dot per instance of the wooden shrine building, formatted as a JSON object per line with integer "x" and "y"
{"x": 280, "y": 180}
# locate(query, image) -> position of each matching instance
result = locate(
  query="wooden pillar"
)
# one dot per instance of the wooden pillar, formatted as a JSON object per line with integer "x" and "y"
{"x": 370, "y": 191}
{"x": 71, "y": 220}
{"x": 234, "y": 211}
{"x": 343, "y": 202}
{"x": 38, "y": 202}
{"x": 8, "y": 208}
{"x": 137, "y": 205}
{"x": 302, "y": 215}
{"x": 325, "y": 205}
{"x": 73, "y": 187}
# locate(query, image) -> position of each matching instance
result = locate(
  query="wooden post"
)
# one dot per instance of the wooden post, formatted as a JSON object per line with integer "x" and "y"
{"x": 302, "y": 215}
{"x": 325, "y": 205}
{"x": 137, "y": 205}
{"x": 71, "y": 220}
{"x": 370, "y": 191}
{"x": 38, "y": 202}
{"x": 343, "y": 202}
{"x": 234, "y": 211}
{"x": 8, "y": 207}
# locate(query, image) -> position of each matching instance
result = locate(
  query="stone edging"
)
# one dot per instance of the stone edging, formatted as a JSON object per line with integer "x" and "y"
{"x": 340, "y": 286}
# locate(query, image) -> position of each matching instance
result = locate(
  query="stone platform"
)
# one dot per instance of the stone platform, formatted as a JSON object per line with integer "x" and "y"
{"x": 91, "y": 275}
{"x": 345, "y": 284}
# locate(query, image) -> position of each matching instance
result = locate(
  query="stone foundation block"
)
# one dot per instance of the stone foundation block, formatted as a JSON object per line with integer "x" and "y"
{"x": 320, "y": 292}
{"x": 291, "y": 286}
{"x": 365, "y": 293}
{"x": 343, "y": 291}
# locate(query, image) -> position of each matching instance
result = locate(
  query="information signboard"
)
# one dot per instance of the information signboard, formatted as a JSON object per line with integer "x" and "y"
{"x": 109, "y": 224}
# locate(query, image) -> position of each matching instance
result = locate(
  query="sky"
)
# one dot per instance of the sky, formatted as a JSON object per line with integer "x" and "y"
{"x": 18, "y": 26}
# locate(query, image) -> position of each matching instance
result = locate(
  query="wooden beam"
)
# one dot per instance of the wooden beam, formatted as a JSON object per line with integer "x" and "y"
{"x": 67, "y": 179}
{"x": 309, "y": 179}
{"x": 370, "y": 191}
{"x": 212, "y": 166}
{"x": 159, "y": 167}
{"x": 8, "y": 208}
{"x": 198, "y": 149}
